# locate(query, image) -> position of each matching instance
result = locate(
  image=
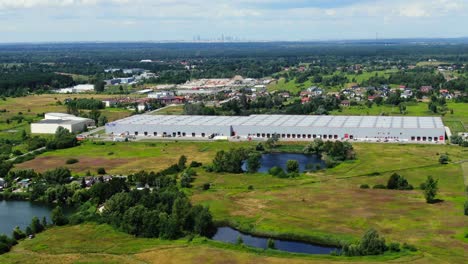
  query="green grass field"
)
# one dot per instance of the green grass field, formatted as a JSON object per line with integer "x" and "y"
{"x": 34, "y": 105}
{"x": 171, "y": 110}
{"x": 458, "y": 121}
{"x": 325, "y": 206}
{"x": 91, "y": 243}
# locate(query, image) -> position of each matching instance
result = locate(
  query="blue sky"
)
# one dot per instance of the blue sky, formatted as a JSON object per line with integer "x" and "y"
{"x": 143, "y": 20}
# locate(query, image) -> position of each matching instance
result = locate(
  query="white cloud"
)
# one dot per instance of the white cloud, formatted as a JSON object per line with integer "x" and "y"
{"x": 173, "y": 19}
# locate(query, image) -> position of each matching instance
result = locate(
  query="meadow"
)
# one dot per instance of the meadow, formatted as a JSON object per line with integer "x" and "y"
{"x": 33, "y": 106}
{"x": 326, "y": 206}
{"x": 456, "y": 121}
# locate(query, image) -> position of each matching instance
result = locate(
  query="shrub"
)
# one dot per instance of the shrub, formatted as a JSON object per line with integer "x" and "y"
{"x": 250, "y": 187}
{"x": 110, "y": 153}
{"x": 72, "y": 161}
{"x": 271, "y": 243}
{"x": 101, "y": 171}
{"x": 206, "y": 186}
{"x": 398, "y": 182}
{"x": 58, "y": 218}
{"x": 364, "y": 186}
{"x": 466, "y": 208}
{"x": 18, "y": 234}
{"x": 292, "y": 166}
{"x": 409, "y": 247}
{"x": 431, "y": 188}
{"x": 195, "y": 164}
{"x": 395, "y": 247}
{"x": 379, "y": 186}
{"x": 443, "y": 159}
{"x": 372, "y": 244}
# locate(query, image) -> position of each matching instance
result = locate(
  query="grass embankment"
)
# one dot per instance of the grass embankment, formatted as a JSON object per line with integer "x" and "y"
{"x": 91, "y": 243}
{"x": 171, "y": 110}
{"x": 325, "y": 206}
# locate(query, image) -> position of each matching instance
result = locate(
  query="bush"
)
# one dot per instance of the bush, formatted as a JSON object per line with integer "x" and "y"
{"x": 292, "y": 166}
{"x": 372, "y": 244}
{"x": 101, "y": 171}
{"x": 271, "y": 243}
{"x": 278, "y": 172}
{"x": 58, "y": 218}
{"x": 364, "y": 186}
{"x": 398, "y": 182}
{"x": 71, "y": 161}
{"x": 195, "y": 164}
{"x": 250, "y": 188}
{"x": 206, "y": 186}
{"x": 444, "y": 159}
{"x": 409, "y": 247}
{"x": 379, "y": 186}
{"x": 395, "y": 247}
{"x": 466, "y": 208}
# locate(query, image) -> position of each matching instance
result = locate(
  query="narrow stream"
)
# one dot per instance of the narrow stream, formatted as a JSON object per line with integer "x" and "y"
{"x": 230, "y": 235}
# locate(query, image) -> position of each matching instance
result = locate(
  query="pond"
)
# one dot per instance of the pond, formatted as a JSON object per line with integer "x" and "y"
{"x": 20, "y": 213}
{"x": 306, "y": 162}
{"x": 230, "y": 235}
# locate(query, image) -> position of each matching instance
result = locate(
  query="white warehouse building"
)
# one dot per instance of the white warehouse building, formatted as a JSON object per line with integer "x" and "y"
{"x": 52, "y": 121}
{"x": 287, "y": 127}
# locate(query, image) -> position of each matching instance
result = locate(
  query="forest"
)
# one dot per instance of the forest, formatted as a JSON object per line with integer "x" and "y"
{"x": 35, "y": 68}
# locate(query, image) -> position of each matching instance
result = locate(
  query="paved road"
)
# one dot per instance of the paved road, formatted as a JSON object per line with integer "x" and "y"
{"x": 94, "y": 131}
{"x": 39, "y": 149}
{"x": 159, "y": 109}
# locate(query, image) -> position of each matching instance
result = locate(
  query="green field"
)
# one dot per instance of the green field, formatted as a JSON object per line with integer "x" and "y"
{"x": 91, "y": 243}
{"x": 325, "y": 206}
{"x": 33, "y": 105}
{"x": 458, "y": 121}
{"x": 171, "y": 110}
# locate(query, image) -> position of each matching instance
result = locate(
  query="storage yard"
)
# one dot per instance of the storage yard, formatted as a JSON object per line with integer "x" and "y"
{"x": 286, "y": 127}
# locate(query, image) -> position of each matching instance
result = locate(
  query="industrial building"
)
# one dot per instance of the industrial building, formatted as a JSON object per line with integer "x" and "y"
{"x": 52, "y": 121}
{"x": 287, "y": 127}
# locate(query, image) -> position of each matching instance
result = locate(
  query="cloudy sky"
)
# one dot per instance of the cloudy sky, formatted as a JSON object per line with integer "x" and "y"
{"x": 142, "y": 20}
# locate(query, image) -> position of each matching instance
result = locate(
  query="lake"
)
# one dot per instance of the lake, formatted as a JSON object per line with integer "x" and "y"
{"x": 306, "y": 162}
{"x": 20, "y": 213}
{"x": 230, "y": 235}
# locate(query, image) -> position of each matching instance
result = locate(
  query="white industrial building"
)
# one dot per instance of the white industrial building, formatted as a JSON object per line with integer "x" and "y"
{"x": 80, "y": 88}
{"x": 52, "y": 121}
{"x": 288, "y": 127}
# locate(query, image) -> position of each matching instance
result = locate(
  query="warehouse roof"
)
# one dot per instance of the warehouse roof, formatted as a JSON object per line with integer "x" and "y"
{"x": 286, "y": 121}
{"x": 59, "y": 122}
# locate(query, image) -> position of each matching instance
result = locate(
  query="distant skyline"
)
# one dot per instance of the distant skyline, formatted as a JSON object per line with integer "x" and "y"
{"x": 254, "y": 20}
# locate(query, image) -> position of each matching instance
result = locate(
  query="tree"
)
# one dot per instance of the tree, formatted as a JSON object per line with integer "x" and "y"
{"x": 18, "y": 234}
{"x": 102, "y": 120}
{"x": 62, "y": 139}
{"x": 36, "y": 225}
{"x": 315, "y": 147}
{"x": 272, "y": 141}
{"x": 430, "y": 189}
{"x": 292, "y": 166}
{"x": 239, "y": 240}
{"x": 44, "y": 222}
{"x": 99, "y": 86}
{"x": 398, "y": 182}
{"x": 58, "y": 218}
{"x": 371, "y": 243}
{"x": 253, "y": 162}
